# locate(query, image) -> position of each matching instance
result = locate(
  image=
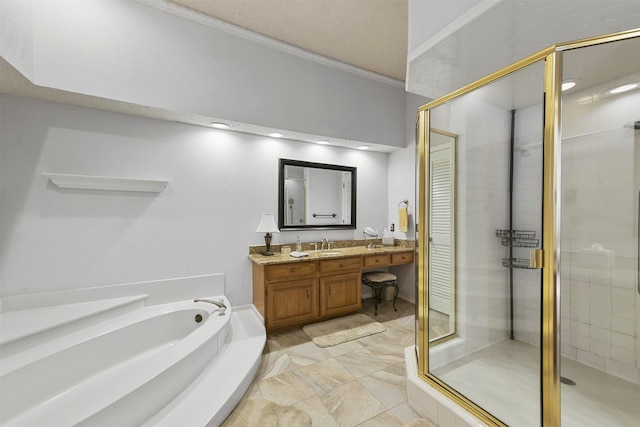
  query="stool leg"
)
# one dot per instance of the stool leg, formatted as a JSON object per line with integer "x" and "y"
{"x": 395, "y": 297}
{"x": 376, "y": 295}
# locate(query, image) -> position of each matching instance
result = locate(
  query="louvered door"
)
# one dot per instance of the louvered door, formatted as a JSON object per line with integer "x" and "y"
{"x": 441, "y": 238}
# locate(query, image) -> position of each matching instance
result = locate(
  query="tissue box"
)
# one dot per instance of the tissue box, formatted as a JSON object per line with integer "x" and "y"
{"x": 388, "y": 241}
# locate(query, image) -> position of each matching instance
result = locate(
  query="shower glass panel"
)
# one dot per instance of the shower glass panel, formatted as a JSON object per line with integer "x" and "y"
{"x": 494, "y": 357}
{"x": 600, "y": 303}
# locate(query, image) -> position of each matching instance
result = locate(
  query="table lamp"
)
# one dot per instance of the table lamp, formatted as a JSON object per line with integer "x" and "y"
{"x": 267, "y": 225}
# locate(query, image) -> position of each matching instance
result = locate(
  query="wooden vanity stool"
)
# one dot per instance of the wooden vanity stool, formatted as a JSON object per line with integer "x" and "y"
{"x": 377, "y": 281}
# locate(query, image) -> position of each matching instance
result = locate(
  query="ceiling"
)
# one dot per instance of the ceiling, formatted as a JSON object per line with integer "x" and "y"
{"x": 369, "y": 34}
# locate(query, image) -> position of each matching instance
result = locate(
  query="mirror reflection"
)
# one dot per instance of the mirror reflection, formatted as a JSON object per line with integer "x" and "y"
{"x": 316, "y": 195}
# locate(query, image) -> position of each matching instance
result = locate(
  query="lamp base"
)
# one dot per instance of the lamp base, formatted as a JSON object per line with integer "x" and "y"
{"x": 267, "y": 243}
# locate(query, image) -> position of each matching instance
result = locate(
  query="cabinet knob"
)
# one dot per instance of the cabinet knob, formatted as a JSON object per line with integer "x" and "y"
{"x": 308, "y": 294}
{"x": 329, "y": 290}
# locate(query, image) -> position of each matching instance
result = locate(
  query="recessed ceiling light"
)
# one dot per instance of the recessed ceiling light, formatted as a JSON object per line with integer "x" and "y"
{"x": 276, "y": 135}
{"x": 364, "y": 147}
{"x": 624, "y": 88}
{"x": 322, "y": 142}
{"x": 568, "y": 84}
{"x": 220, "y": 125}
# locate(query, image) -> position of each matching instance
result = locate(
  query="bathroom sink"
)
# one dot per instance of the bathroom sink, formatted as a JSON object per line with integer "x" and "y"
{"x": 329, "y": 253}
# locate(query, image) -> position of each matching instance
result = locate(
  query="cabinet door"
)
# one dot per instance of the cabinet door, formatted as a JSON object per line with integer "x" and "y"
{"x": 291, "y": 303}
{"x": 340, "y": 294}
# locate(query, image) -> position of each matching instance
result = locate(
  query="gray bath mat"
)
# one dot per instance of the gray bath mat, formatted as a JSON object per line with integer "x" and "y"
{"x": 343, "y": 329}
{"x": 265, "y": 413}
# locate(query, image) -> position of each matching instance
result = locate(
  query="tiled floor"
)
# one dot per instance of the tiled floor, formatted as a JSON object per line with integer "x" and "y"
{"x": 358, "y": 383}
{"x": 362, "y": 382}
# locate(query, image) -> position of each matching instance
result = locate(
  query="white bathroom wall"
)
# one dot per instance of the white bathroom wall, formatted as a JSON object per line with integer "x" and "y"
{"x": 427, "y": 18}
{"x": 129, "y": 51}
{"x": 401, "y": 186}
{"x": 220, "y": 183}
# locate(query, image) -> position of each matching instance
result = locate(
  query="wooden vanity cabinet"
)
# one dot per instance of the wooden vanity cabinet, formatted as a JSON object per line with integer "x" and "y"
{"x": 291, "y": 303}
{"x": 290, "y": 294}
{"x": 340, "y": 286}
{"x": 293, "y": 294}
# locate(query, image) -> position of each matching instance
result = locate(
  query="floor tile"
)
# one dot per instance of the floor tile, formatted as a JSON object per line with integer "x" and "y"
{"x": 325, "y": 376}
{"x": 387, "y": 385}
{"x": 346, "y": 347}
{"x": 273, "y": 364}
{"x": 307, "y": 354}
{"x": 352, "y": 404}
{"x": 404, "y": 412}
{"x": 361, "y": 362}
{"x": 359, "y": 382}
{"x": 285, "y": 389}
{"x": 386, "y": 419}
{"x": 319, "y": 413}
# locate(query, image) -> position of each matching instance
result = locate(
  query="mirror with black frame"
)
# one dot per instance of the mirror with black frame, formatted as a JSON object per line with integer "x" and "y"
{"x": 316, "y": 195}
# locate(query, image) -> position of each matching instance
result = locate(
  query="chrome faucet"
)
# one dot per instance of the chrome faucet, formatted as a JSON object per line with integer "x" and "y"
{"x": 222, "y": 307}
{"x": 325, "y": 240}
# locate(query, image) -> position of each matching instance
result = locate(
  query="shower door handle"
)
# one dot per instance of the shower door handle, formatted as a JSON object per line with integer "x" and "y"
{"x": 638, "y": 243}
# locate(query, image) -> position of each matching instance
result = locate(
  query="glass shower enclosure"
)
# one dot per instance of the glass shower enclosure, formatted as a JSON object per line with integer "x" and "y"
{"x": 529, "y": 193}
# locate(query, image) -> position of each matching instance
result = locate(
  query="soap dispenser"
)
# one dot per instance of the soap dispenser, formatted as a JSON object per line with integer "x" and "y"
{"x": 298, "y": 245}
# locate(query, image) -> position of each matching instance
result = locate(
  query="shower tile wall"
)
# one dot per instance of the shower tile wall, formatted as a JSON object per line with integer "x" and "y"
{"x": 527, "y": 215}
{"x": 482, "y": 188}
{"x": 600, "y": 312}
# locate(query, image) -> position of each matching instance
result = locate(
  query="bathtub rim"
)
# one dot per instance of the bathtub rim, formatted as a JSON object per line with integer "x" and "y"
{"x": 159, "y": 291}
{"x": 120, "y": 385}
{"x": 17, "y": 361}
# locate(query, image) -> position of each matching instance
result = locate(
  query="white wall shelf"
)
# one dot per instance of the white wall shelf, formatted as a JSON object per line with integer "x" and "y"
{"x": 88, "y": 182}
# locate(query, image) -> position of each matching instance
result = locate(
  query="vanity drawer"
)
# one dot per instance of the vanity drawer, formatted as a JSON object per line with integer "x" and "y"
{"x": 402, "y": 258}
{"x": 376, "y": 260}
{"x": 291, "y": 271}
{"x": 338, "y": 265}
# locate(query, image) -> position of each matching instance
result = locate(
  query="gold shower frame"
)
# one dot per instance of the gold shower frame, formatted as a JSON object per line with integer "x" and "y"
{"x": 550, "y": 252}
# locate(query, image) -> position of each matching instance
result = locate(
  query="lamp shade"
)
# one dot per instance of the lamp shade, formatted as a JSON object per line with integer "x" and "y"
{"x": 267, "y": 224}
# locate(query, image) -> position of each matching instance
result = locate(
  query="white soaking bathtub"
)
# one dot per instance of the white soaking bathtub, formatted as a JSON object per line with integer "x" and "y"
{"x": 146, "y": 365}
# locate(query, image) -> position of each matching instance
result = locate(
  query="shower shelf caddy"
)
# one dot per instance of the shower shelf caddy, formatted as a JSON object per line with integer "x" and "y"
{"x": 520, "y": 239}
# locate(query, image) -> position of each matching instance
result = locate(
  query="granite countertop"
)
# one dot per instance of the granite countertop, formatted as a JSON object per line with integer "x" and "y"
{"x": 279, "y": 258}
